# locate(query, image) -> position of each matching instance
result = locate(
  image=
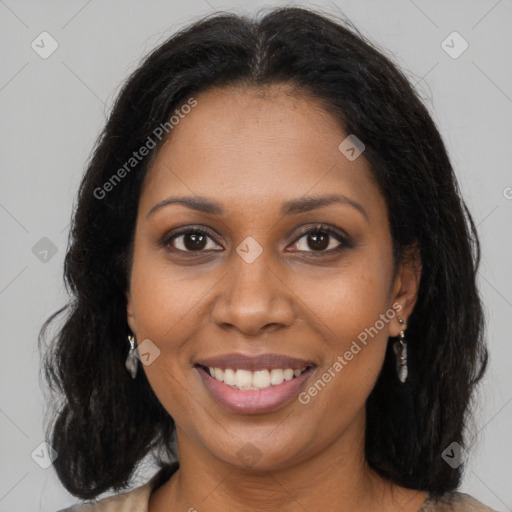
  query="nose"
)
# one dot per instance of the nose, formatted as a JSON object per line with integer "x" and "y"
{"x": 254, "y": 299}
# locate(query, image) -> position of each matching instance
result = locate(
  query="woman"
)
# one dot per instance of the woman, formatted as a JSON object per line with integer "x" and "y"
{"x": 271, "y": 240}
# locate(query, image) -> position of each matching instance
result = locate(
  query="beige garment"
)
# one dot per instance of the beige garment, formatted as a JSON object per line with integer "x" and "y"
{"x": 133, "y": 501}
{"x": 137, "y": 501}
{"x": 454, "y": 502}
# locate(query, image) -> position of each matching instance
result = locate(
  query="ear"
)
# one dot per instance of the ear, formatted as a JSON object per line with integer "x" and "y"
{"x": 405, "y": 287}
{"x": 130, "y": 314}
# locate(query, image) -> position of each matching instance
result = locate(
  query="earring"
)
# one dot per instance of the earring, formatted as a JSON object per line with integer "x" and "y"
{"x": 131, "y": 361}
{"x": 400, "y": 349}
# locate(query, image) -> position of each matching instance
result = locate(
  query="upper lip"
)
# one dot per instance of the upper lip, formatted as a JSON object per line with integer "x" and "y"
{"x": 261, "y": 362}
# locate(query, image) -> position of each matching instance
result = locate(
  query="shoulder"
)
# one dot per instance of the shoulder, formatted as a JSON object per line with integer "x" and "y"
{"x": 132, "y": 501}
{"x": 136, "y": 500}
{"x": 454, "y": 501}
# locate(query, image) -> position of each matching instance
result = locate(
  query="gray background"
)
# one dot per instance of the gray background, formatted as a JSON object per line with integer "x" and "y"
{"x": 52, "y": 110}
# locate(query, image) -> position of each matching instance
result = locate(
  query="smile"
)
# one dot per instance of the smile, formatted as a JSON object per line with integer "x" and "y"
{"x": 274, "y": 387}
{"x": 254, "y": 380}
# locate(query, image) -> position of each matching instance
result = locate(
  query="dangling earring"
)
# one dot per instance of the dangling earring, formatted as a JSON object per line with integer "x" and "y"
{"x": 131, "y": 361}
{"x": 400, "y": 349}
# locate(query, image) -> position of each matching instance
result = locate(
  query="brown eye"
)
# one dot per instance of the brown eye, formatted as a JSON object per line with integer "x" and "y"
{"x": 321, "y": 239}
{"x": 194, "y": 241}
{"x": 191, "y": 240}
{"x": 318, "y": 241}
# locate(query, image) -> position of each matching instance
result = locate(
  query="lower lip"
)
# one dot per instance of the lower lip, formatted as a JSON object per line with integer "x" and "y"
{"x": 254, "y": 401}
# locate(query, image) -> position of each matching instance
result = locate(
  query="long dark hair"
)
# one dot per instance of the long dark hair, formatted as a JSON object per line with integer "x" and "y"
{"x": 106, "y": 423}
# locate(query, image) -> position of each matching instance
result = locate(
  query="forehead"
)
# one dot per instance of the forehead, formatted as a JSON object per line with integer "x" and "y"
{"x": 256, "y": 147}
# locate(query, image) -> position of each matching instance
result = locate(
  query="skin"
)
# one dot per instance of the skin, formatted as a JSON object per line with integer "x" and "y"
{"x": 251, "y": 149}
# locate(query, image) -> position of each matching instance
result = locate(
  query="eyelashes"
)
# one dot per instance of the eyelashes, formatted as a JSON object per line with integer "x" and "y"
{"x": 325, "y": 233}
{"x": 198, "y": 233}
{"x": 195, "y": 240}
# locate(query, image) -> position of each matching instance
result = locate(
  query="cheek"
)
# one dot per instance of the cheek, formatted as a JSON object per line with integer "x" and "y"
{"x": 169, "y": 303}
{"x": 352, "y": 313}
{"x": 345, "y": 302}
{"x": 164, "y": 297}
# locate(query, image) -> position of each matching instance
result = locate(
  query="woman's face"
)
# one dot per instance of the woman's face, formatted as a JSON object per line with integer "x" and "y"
{"x": 257, "y": 285}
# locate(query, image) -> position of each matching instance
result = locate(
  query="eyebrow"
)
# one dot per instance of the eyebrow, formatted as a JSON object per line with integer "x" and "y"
{"x": 294, "y": 206}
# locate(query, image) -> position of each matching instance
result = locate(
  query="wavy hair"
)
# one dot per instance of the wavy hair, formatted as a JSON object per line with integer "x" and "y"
{"x": 106, "y": 423}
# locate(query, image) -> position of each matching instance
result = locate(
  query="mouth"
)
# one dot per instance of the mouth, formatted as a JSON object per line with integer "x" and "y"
{"x": 247, "y": 380}
{"x": 254, "y": 385}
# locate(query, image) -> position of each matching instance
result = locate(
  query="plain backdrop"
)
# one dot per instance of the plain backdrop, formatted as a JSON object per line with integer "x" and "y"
{"x": 53, "y": 108}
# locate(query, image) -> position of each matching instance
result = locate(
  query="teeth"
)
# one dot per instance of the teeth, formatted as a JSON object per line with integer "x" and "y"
{"x": 243, "y": 378}
{"x": 229, "y": 377}
{"x": 259, "y": 379}
{"x": 276, "y": 377}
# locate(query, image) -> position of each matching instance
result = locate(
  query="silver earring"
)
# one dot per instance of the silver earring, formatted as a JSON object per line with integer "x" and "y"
{"x": 400, "y": 349}
{"x": 131, "y": 361}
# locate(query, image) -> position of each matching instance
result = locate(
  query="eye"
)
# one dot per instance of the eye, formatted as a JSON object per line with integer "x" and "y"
{"x": 321, "y": 239}
{"x": 189, "y": 240}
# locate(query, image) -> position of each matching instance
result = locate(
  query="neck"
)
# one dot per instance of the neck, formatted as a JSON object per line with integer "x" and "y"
{"x": 335, "y": 478}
